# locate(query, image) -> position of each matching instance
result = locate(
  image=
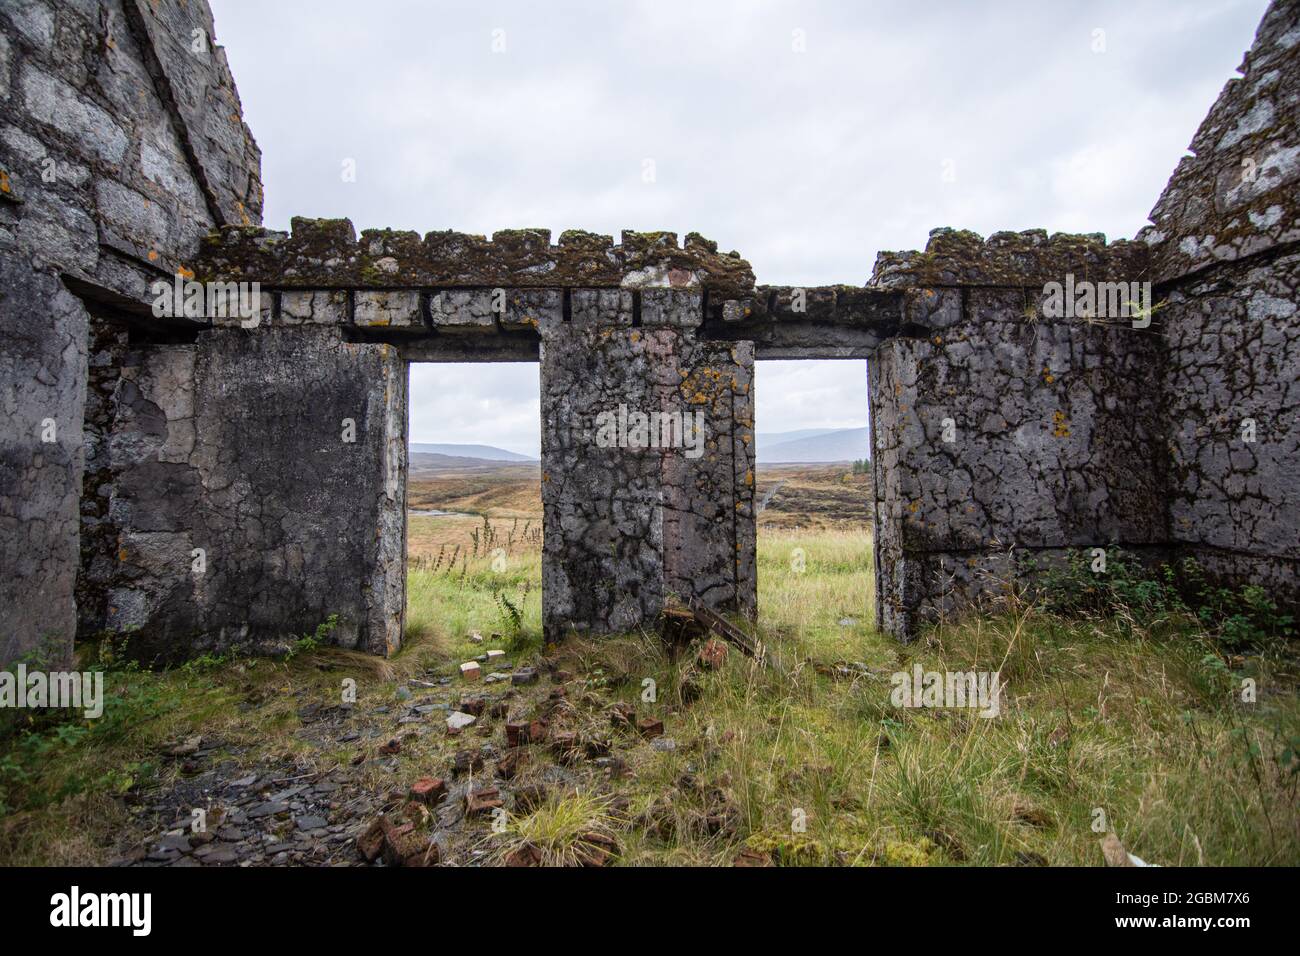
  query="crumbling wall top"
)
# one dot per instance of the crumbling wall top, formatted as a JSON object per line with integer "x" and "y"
{"x": 325, "y": 253}
{"x": 955, "y": 257}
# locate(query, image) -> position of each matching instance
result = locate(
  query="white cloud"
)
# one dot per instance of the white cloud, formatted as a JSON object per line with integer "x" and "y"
{"x": 485, "y": 403}
{"x": 805, "y": 394}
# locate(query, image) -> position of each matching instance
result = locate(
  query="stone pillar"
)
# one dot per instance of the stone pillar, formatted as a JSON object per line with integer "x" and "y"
{"x": 634, "y": 519}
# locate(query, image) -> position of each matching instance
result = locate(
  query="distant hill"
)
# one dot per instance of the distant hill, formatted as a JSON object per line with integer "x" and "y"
{"x": 769, "y": 439}
{"x": 801, "y": 445}
{"x": 813, "y": 445}
{"x": 481, "y": 452}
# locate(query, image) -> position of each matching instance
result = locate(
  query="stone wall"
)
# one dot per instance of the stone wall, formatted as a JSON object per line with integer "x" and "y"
{"x": 42, "y": 391}
{"x": 1225, "y": 244}
{"x": 251, "y": 489}
{"x": 223, "y": 504}
{"x": 254, "y": 491}
{"x": 121, "y": 144}
{"x": 627, "y": 528}
{"x": 1003, "y": 435}
{"x": 1233, "y": 401}
{"x": 631, "y": 525}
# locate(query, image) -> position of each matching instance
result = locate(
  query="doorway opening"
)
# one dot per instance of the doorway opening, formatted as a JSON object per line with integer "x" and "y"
{"x": 814, "y": 499}
{"x": 473, "y": 506}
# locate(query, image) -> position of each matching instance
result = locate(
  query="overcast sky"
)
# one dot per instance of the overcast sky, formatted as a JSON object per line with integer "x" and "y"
{"x": 808, "y": 136}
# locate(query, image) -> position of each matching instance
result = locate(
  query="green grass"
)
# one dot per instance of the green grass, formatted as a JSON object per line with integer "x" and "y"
{"x": 1137, "y": 720}
{"x": 448, "y": 605}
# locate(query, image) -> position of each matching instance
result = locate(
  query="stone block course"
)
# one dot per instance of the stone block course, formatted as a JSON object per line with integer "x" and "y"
{"x": 463, "y": 310}
{"x": 533, "y": 308}
{"x": 313, "y": 308}
{"x": 396, "y": 309}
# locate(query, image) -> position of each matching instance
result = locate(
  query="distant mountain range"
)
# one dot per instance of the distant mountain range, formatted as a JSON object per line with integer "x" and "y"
{"x": 481, "y": 452}
{"x": 812, "y": 445}
{"x": 773, "y": 448}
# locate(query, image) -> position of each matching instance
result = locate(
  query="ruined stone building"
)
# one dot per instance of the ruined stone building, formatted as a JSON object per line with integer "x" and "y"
{"x": 204, "y": 481}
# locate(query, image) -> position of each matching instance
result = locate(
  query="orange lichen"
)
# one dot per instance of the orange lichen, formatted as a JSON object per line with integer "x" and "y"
{"x": 1061, "y": 425}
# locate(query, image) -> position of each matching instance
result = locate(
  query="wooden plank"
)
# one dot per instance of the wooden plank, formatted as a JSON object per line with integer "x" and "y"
{"x": 719, "y": 625}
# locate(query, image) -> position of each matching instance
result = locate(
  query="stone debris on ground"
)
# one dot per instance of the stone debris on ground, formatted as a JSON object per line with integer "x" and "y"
{"x": 457, "y": 720}
{"x": 538, "y": 744}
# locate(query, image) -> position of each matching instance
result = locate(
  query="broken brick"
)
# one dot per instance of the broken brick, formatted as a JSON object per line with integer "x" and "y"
{"x": 478, "y": 802}
{"x": 712, "y": 654}
{"x": 509, "y": 765}
{"x": 525, "y": 855}
{"x": 371, "y": 841}
{"x": 596, "y": 849}
{"x": 470, "y": 670}
{"x": 428, "y": 790}
{"x": 404, "y": 845}
{"x": 622, "y": 715}
{"x": 467, "y": 761}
